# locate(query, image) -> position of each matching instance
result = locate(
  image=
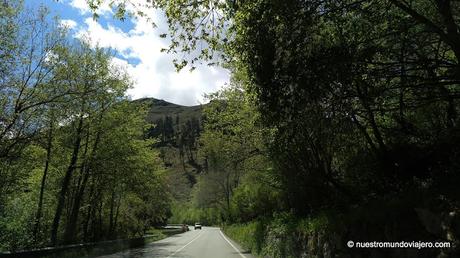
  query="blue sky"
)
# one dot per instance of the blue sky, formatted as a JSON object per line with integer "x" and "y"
{"x": 137, "y": 45}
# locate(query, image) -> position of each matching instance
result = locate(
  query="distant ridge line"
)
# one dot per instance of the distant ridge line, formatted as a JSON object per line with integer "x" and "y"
{"x": 162, "y": 102}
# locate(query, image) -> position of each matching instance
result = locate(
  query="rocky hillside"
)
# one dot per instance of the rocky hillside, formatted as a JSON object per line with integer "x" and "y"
{"x": 177, "y": 129}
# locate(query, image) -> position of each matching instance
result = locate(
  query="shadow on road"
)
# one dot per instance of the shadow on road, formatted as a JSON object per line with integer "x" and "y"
{"x": 157, "y": 249}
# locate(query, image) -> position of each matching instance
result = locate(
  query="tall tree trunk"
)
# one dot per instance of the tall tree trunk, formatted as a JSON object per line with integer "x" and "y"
{"x": 71, "y": 227}
{"x": 88, "y": 214}
{"x": 70, "y": 231}
{"x": 66, "y": 182}
{"x": 115, "y": 221}
{"x": 38, "y": 216}
{"x": 111, "y": 217}
{"x": 100, "y": 233}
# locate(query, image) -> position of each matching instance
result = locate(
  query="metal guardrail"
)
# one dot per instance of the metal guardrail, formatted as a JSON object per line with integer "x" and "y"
{"x": 86, "y": 249}
{"x": 77, "y": 250}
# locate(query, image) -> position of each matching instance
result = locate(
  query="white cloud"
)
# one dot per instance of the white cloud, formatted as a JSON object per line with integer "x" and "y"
{"x": 83, "y": 7}
{"x": 154, "y": 74}
{"x": 69, "y": 24}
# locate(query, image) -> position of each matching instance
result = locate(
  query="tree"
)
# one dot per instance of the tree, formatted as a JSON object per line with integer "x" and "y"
{"x": 126, "y": 180}
{"x": 338, "y": 84}
{"x": 232, "y": 144}
{"x": 27, "y": 71}
{"x": 26, "y": 76}
{"x": 98, "y": 86}
{"x": 74, "y": 163}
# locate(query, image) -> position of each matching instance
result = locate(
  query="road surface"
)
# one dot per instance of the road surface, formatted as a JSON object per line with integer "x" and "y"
{"x": 208, "y": 242}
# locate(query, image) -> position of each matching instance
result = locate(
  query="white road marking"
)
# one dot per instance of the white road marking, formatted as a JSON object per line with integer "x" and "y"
{"x": 228, "y": 241}
{"x": 180, "y": 249}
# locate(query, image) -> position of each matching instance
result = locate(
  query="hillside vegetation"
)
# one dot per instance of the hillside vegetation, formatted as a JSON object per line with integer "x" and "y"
{"x": 176, "y": 130}
{"x": 178, "y": 133}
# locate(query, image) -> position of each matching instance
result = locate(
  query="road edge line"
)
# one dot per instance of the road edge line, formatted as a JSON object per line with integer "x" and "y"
{"x": 180, "y": 249}
{"x": 228, "y": 241}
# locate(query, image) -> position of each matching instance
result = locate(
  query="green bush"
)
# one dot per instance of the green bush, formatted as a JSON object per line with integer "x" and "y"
{"x": 277, "y": 236}
{"x": 249, "y": 235}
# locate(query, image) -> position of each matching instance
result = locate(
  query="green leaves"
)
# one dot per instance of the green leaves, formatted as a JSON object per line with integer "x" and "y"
{"x": 55, "y": 92}
{"x": 232, "y": 144}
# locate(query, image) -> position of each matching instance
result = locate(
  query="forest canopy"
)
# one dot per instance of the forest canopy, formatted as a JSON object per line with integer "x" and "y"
{"x": 74, "y": 163}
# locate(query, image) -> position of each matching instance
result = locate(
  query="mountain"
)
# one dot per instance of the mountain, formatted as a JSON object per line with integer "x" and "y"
{"x": 160, "y": 109}
{"x": 177, "y": 129}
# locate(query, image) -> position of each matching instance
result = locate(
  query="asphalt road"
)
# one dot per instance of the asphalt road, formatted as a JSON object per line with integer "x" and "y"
{"x": 208, "y": 242}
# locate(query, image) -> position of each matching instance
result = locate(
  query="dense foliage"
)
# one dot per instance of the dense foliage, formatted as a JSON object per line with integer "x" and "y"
{"x": 74, "y": 164}
{"x": 364, "y": 95}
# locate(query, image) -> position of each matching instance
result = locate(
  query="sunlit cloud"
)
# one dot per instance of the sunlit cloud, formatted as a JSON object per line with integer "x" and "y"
{"x": 83, "y": 7}
{"x": 138, "y": 50}
{"x": 69, "y": 24}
